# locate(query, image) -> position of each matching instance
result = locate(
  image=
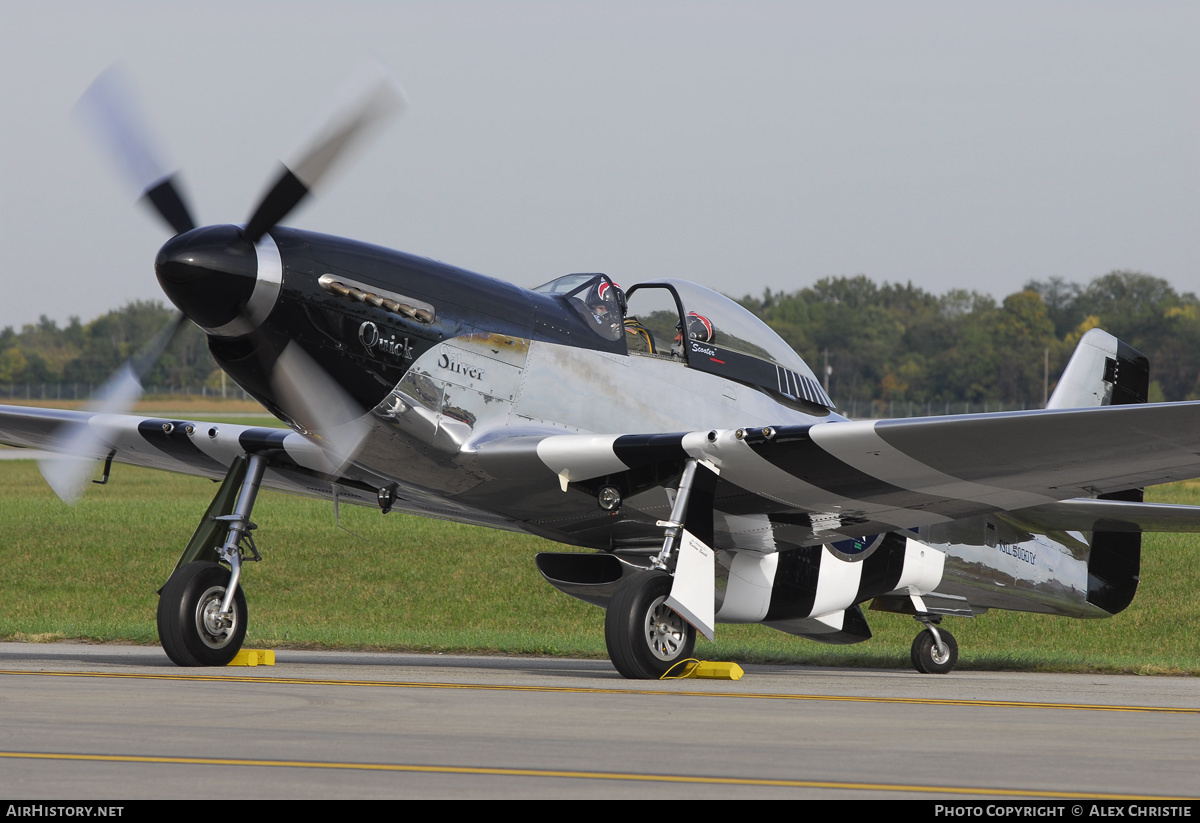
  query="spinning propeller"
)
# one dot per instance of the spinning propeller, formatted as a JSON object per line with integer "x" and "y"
{"x": 225, "y": 278}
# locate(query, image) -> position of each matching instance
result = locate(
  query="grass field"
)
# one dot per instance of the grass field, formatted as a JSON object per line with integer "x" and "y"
{"x": 91, "y": 572}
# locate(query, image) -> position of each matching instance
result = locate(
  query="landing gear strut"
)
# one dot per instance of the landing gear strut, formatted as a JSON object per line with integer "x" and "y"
{"x": 202, "y": 610}
{"x": 934, "y": 651}
{"x": 644, "y": 636}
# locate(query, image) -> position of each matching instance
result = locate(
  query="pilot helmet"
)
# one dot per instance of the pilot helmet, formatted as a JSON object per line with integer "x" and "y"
{"x": 698, "y": 327}
{"x": 606, "y": 298}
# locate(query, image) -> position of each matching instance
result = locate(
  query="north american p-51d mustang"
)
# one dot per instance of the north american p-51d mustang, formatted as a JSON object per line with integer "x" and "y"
{"x": 665, "y": 427}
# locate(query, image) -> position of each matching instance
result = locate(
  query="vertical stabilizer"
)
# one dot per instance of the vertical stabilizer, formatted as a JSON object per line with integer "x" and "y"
{"x": 1103, "y": 371}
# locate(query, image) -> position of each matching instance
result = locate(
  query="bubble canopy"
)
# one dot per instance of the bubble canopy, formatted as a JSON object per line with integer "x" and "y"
{"x": 730, "y": 341}
{"x": 687, "y": 323}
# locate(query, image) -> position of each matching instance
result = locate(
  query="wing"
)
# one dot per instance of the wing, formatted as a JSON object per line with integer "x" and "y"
{"x": 296, "y": 465}
{"x": 187, "y": 447}
{"x": 854, "y": 478}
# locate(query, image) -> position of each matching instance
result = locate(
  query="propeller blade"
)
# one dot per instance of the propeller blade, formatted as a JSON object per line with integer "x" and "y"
{"x": 82, "y": 444}
{"x": 365, "y": 103}
{"x": 109, "y": 111}
{"x": 319, "y": 404}
{"x": 149, "y": 355}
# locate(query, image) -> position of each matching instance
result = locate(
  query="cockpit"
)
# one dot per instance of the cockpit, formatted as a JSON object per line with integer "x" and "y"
{"x": 595, "y": 298}
{"x": 681, "y": 322}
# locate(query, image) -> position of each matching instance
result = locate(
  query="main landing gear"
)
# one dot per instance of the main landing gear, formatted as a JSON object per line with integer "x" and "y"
{"x": 934, "y": 651}
{"x": 644, "y": 636}
{"x": 201, "y": 610}
{"x": 193, "y": 629}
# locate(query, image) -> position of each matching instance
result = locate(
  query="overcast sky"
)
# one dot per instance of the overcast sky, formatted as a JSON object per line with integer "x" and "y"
{"x": 744, "y": 145}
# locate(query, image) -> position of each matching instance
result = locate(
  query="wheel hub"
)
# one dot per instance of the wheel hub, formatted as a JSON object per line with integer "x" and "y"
{"x": 215, "y": 629}
{"x": 666, "y": 631}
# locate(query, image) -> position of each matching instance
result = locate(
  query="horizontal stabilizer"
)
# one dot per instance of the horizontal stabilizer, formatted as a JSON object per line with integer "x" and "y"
{"x": 1086, "y": 515}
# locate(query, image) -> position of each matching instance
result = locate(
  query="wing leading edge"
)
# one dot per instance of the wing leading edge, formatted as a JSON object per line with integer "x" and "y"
{"x": 187, "y": 447}
{"x": 296, "y": 464}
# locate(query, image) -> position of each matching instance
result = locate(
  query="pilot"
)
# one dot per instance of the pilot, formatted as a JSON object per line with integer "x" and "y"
{"x": 698, "y": 328}
{"x": 607, "y": 304}
{"x": 605, "y": 298}
{"x": 638, "y": 337}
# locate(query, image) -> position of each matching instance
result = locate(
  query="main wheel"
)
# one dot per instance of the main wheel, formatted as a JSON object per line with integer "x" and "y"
{"x": 190, "y": 626}
{"x": 645, "y": 638}
{"x": 925, "y": 656}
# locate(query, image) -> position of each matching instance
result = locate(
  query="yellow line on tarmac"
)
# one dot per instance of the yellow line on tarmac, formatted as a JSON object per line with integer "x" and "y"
{"x": 578, "y": 775}
{"x": 921, "y": 701}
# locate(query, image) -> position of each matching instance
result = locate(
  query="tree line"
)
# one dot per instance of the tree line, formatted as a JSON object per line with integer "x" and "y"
{"x": 884, "y": 343}
{"x": 895, "y": 343}
{"x": 88, "y": 353}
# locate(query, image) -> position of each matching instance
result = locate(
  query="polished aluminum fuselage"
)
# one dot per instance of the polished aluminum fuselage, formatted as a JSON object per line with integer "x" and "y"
{"x": 467, "y": 390}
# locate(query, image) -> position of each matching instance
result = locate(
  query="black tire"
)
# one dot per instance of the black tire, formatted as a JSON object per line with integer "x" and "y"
{"x": 182, "y": 629}
{"x": 925, "y": 658}
{"x": 644, "y": 637}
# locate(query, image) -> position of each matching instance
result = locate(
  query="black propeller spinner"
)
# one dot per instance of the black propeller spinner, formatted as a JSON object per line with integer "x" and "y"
{"x": 209, "y": 273}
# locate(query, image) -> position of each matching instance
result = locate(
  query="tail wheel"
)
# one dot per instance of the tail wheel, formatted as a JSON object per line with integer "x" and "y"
{"x": 190, "y": 625}
{"x": 925, "y": 655}
{"x": 645, "y": 638}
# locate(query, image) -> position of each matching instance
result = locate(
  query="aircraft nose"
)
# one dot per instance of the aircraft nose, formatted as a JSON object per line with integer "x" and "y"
{"x": 221, "y": 281}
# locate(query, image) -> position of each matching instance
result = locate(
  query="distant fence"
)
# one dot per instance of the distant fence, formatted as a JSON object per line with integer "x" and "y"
{"x": 883, "y": 410}
{"x": 84, "y": 391}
